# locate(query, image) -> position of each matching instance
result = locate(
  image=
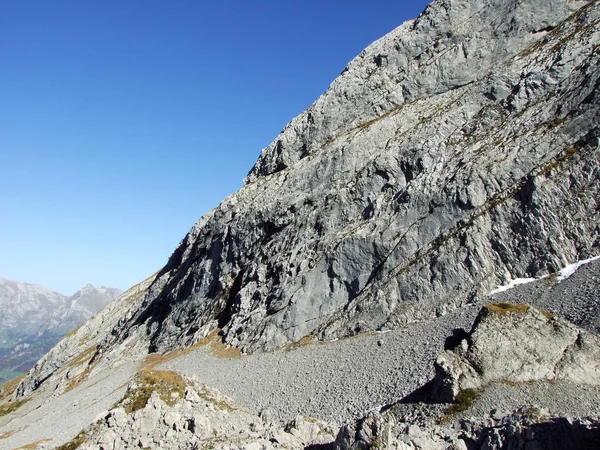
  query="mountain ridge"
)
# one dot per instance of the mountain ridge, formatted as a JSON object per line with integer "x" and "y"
{"x": 332, "y": 244}
{"x": 33, "y": 318}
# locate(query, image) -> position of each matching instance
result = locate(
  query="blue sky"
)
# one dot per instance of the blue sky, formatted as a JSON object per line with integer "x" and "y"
{"x": 123, "y": 121}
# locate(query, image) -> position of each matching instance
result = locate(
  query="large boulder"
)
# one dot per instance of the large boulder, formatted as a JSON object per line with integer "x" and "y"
{"x": 517, "y": 343}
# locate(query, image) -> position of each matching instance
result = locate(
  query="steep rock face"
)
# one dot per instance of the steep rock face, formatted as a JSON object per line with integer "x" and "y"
{"x": 480, "y": 164}
{"x": 452, "y": 44}
{"x": 516, "y": 344}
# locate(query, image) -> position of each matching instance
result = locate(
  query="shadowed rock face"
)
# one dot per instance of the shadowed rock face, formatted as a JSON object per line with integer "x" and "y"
{"x": 454, "y": 153}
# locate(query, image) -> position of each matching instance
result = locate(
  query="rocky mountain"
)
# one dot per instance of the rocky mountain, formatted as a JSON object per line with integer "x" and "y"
{"x": 26, "y": 306}
{"x": 336, "y": 289}
{"x": 33, "y": 318}
{"x": 83, "y": 304}
{"x": 455, "y": 153}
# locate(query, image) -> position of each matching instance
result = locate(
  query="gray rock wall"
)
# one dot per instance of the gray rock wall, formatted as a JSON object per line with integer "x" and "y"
{"x": 482, "y": 165}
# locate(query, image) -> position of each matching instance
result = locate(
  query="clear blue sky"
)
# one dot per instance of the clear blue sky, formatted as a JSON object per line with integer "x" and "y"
{"x": 123, "y": 121}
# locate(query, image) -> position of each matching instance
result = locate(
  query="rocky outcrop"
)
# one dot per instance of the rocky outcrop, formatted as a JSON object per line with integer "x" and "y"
{"x": 524, "y": 429}
{"x": 454, "y": 154}
{"x": 515, "y": 343}
{"x": 192, "y": 416}
{"x": 511, "y": 344}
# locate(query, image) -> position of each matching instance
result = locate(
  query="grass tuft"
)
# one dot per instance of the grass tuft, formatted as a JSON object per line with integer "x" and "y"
{"x": 505, "y": 308}
{"x": 8, "y": 434}
{"x": 74, "y": 443}
{"x": 224, "y": 405}
{"x": 32, "y": 445}
{"x": 213, "y": 339}
{"x": 164, "y": 382}
{"x": 306, "y": 340}
{"x": 464, "y": 400}
{"x": 9, "y": 407}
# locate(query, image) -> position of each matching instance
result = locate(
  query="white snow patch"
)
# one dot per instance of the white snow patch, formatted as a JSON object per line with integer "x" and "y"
{"x": 572, "y": 268}
{"x": 511, "y": 285}
{"x": 564, "y": 273}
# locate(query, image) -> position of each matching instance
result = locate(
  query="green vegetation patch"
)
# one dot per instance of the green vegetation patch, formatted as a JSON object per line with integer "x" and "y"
{"x": 464, "y": 400}
{"x": 74, "y": 443}
{"x": 224, "y": 405}
{"x": 33, "y": 445}
{"x": 6, "y": 391}
{"x": 305, "y": 341}
{"x": 9, "y": 407}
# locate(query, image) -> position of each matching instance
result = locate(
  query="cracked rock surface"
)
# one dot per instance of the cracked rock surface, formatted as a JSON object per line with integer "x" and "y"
{"x": 516, "y": 344}
{"x": 455, "y": 153}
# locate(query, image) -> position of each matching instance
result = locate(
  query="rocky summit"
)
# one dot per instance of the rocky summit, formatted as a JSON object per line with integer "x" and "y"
{"x": 347, "y": 295}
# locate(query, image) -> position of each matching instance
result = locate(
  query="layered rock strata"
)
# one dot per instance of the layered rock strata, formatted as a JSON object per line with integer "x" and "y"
{"x": 455, "y": 153}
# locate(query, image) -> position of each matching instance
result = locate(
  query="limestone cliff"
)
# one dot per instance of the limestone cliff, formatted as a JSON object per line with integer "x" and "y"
{"x": 453, "y": 155}
{"x": 457, "y": 152}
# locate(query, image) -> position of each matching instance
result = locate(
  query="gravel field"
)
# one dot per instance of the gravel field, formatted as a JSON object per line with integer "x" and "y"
{"x": 339, "y": 381}
{"x": 334, "y": 381}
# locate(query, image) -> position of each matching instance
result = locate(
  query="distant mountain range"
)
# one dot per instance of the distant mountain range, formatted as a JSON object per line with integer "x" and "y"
{"x": 33, "y": 318}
